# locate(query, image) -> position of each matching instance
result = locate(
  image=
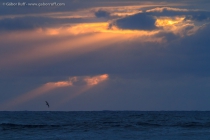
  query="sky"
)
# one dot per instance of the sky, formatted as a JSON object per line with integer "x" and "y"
{"x": 79, "y": 55}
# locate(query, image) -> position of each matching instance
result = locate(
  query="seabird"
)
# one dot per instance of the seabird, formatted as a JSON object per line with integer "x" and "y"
{"x": 47, "y": 104}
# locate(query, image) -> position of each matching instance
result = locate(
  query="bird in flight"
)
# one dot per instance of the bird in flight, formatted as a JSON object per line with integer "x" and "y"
{"x": 47, "y": 104}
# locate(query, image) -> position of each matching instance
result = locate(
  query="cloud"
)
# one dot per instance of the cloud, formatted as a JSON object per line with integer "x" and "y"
{"x": 35, "y": 22}
{"x": 96, "y": 79}
{"x": 80, "y": 81}
{"x": 101, "y": 13}
{"x": 166, "y": 9}
{"x": 147, "y": 20}
{"x": 26, "y": 23}
{"x": 59, "y": 84}
{"x": 195, "y": 52}
{"x": 160, "y": 17}
{"x": 198, "y": 15}
{"x": 140, "y": 21}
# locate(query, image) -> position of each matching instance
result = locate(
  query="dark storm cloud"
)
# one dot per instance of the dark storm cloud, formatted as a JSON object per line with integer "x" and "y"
{"x": 195, "y": 50}
{"x": 24, "y": 23}
{"x": 101, "y": 13}
{"x": 198, "y": 17}
{"x": 29, "y": 22}
{"x": 140, "y": 21}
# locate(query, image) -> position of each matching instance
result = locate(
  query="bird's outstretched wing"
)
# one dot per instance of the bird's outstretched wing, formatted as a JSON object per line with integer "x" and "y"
{"x": 47, "y": 104}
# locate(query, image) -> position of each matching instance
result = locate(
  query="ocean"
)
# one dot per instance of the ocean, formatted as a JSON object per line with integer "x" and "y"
{"x": 105, "y": 125}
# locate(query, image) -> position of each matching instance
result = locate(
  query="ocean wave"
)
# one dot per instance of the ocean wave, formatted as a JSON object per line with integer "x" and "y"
{"x": 6, "y": 126}
{"x": 148, "y": 124}
{"x": 193, "y": 125}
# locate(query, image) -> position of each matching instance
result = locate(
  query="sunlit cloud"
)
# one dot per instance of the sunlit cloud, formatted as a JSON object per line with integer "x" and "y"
{"x": 161, "y": 9}
{"x": 59, "y": 84}
{"x": 96, "y": 79}
{"x": 177, "y": 25}
{"x": 130, "y": 7}
{"x": 167, "y": 21}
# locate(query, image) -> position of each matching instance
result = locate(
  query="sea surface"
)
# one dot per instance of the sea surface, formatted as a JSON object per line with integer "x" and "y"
{"x": 105, "y": 125}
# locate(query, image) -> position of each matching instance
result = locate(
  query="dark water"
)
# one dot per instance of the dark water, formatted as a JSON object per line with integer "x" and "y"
{"x": 105, "y": 125}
